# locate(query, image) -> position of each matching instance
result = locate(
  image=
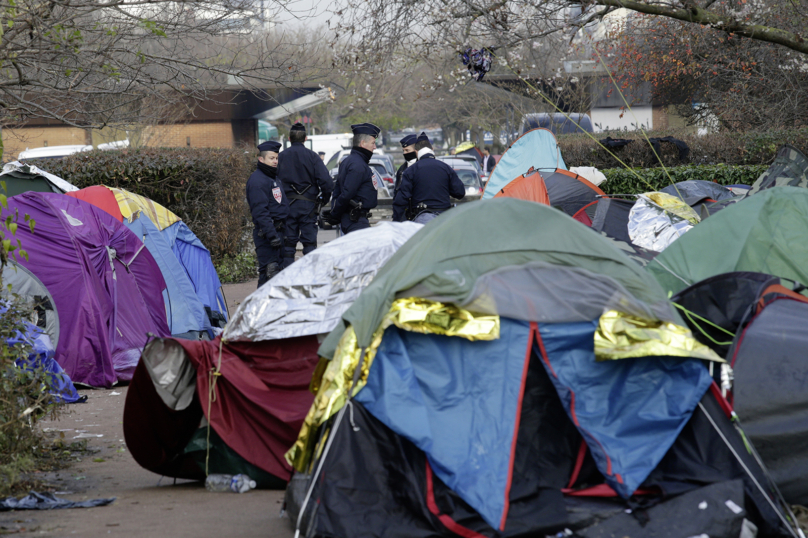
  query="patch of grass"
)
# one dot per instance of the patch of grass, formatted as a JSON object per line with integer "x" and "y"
{"x": 238, "y": 268}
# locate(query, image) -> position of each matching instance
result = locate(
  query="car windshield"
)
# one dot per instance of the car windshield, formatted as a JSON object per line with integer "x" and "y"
{"x": 470, "y": 178}
{"x": 334, "y": 161}
{"x": 379, "y": 167}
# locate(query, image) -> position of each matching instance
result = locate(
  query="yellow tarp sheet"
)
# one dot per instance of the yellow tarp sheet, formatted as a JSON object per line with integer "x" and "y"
{"x": 621, "y": 336}
{"x": 131, "y": 204}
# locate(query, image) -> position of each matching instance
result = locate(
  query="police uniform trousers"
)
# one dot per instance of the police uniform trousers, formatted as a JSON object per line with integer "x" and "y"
{"x": 266, "y": 255}
{"x": 424, "y": 217}
{"x": 348, "y": 226}
{"x": 301, "y": 225}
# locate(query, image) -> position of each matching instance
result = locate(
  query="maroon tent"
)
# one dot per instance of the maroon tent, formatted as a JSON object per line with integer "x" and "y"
{"x": 256, "y": 406}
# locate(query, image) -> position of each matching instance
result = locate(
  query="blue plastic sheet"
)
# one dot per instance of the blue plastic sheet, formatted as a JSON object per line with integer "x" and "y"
{"x": 458, "y": 402}
{"x": 536, "y": 148}
{"x": 629, "y": 411}
{"x": 48, "y": 501}
{"x": 42, "y": 357}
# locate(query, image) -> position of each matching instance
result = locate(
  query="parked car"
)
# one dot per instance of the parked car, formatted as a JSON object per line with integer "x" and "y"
{"x": 52, "y": 152}
{"x": 468, "y": 171}
{"x": 558, "y": 123}
{"x": 385, "y": 169}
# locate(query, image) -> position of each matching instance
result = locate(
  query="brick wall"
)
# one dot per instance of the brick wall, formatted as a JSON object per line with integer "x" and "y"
{"x": 17, "y": 140}
{"x": 195, "y": 135}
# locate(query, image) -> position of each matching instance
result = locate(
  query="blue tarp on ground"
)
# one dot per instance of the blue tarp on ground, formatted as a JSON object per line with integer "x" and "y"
{"x": 42, "y": 357}
{"x": 196, "y": 262}
{"x": 629, "y": 411}
{"x": 184, "y": 311}
{"x": 536, "y": 148}
{"x": 458, "y": 402}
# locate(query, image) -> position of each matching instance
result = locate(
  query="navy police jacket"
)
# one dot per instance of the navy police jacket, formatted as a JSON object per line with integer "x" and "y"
{"x": 354, "y": 182}
{"x": 430, "y": 182}
{"x": 300, "y": 170}
{"x": 267, "y": 202}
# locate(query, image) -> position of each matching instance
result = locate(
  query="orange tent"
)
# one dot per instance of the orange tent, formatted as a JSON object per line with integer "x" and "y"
{"x": 529, "y": 186}
{"x": 101, "y": 197}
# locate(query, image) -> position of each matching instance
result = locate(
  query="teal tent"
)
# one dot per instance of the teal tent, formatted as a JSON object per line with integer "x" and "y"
{"x": 535, "y": 149}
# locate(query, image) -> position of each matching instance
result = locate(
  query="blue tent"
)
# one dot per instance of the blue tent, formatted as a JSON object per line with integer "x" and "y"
{"x": 536, "y": 148}
{"x": 436, "y": 390}
{"x": 196, "y": 261}
{"x": 184, "y": 310}
{"x": 495, "y": 383}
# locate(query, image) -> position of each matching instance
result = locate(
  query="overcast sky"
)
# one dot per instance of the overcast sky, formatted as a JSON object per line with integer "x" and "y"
{"x": 305, "y": 13}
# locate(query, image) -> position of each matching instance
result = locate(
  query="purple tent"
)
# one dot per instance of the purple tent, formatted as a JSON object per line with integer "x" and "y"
{"x": 105, "y": 287}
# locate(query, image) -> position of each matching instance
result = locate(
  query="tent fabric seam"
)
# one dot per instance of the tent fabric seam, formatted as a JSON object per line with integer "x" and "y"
{"x": 446, "y": 520}
{"x": 517, "y": 420}
{"x": 572, "y": 408}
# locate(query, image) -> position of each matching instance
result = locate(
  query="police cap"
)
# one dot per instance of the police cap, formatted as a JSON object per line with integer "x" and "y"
{"x": 408, "y": 140}
{"x": 366, "y": 129}
{"x": 298, "y": 127}
{"x": 269, "y": 146}
{"x": 422, "y": 137}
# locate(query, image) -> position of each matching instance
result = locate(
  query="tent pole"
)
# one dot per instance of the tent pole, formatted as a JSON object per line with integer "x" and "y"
{"x": 779, "y": 511}
{"x": 337, "y": 422}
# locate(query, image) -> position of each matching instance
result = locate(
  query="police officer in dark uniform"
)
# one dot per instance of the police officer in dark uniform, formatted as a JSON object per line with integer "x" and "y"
{"x": 355, "y": 191}
{"x": 269, "y": 209}
{"x": 426, "y": 187}
{"x": 308, "y": 186}
{"x": 408, "y": 147}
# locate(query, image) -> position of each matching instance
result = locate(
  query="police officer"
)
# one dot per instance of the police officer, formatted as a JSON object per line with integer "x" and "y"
{"x": 426, "y": 186}
{"x": 408, "y": 147}
{"x": 355, "y": 191}
{"x": 269, "y": 209}
{"x": 308, "y": 185}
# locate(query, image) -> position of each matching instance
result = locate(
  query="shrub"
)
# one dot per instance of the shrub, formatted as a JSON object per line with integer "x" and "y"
{"x": 24, "y": 399}
{"x": 623, "y": 181}
{"x": 712, "y": 149}
{"x": 203, "y": 186}
{"x": 238, "y": 268}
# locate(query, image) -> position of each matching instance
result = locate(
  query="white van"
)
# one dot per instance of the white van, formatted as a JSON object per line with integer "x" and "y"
{"x": 52, "y": 152}
{"x": 330, "y": 143}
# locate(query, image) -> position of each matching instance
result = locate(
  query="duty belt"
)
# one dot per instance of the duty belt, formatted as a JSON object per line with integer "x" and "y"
{"x": 300, "y": 197}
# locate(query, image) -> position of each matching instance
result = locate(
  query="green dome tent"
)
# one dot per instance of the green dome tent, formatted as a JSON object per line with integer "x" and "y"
{"x": 20, "y": 178}
{"x": 765, "y": 233}
{"x": 450, "y": 264}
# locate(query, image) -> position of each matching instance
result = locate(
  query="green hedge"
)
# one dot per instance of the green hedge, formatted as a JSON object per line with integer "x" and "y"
{"x": 203, "y": 186}
{"x": 624, "y": 181}
{"x": 712, "y": 149}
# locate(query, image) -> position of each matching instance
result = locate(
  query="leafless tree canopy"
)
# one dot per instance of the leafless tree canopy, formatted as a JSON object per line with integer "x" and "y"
{"x": 96, "y": 62}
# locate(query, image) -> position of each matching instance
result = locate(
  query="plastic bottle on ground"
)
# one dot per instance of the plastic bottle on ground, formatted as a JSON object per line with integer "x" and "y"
{"x": 239, "y": 483}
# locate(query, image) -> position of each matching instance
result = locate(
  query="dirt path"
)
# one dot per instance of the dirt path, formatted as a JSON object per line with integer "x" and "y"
{"x": 145, "y": 505}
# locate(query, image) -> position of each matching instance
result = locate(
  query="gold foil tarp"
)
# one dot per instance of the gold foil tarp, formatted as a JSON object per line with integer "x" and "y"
{"x": 410, "y": 314}
{"x": 621, "y": 336}
{"x": 674, "y": 205}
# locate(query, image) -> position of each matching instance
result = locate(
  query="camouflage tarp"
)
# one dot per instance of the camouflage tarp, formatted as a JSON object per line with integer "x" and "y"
{"x": 789, "y": 169}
